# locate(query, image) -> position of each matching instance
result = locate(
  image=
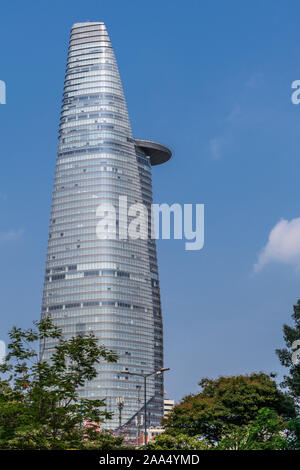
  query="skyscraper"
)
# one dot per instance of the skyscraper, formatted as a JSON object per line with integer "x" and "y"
{"x": 108, "y": 287}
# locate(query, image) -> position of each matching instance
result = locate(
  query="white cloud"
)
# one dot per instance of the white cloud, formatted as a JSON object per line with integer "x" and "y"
{"x": 216, "y": 147}
{"x": 255, "y": 80}
{"x": 11, "y": 235}
{"x": 218, "y": 144}
{"x": 283, "y": 245}
{"x": 234, "y": 114}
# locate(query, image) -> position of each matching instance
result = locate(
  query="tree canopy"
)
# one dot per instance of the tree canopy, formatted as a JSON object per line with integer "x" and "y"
{"x": 267, "y": 431}
{"x": 227, "y": 402}
{"x": 287, "y": 355}
{"x": 40, "y": 406}
{"x": 167, "y": 441}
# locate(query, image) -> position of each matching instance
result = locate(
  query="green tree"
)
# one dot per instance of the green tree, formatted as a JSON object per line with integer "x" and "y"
{"x": 166, "y": 441}
{"x": 293, "y": 434}
{"x": 291, "y": 382}
{"x": 266, "y": 432}
{"x": 225, "y": 403}
{"x": 40, "y": 406}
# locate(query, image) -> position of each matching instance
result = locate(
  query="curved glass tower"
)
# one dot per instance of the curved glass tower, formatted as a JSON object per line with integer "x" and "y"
{"x": 109, "y": 287}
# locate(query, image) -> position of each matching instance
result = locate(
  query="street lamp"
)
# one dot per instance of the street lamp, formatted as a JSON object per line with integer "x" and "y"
{"x": 120, "y": 403}
{"x": 145, "y": 377}
{"x": 138, "y": 423}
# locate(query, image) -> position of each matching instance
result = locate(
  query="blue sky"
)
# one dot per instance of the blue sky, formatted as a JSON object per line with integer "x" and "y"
{"x": 212, "y": 80}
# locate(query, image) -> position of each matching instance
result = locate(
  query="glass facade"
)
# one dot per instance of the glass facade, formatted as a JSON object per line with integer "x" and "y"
{"x": 106, "y": 287}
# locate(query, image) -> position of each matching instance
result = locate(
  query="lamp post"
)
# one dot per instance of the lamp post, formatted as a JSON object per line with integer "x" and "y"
{"x": 145, "y": 377}
{"x": 80, "y": 409}
{"x": 138, "y": 387}
{"x": 120, "y": 403}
